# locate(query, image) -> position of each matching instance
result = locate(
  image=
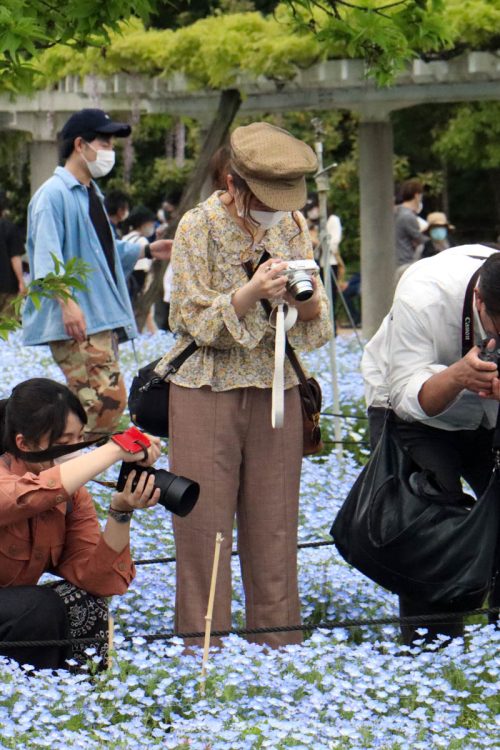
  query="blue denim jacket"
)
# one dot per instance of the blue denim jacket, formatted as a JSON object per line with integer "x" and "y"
{"x": 59, "y": 223}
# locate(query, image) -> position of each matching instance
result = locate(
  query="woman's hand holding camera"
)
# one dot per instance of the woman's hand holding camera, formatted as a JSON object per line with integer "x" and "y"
{"x": 269, "y": 280}
{"x": 154, "y": 452}
{"x": 143, "y": 496}
{"x": 309, "y": 309}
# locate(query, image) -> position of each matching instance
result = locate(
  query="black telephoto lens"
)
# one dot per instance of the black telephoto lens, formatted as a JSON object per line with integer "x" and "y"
{"x": 177, "y": 494}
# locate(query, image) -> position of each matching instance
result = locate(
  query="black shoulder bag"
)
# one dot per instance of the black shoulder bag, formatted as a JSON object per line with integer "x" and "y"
{"x": 402, "y": 530}
{"x": 149, "y": 393}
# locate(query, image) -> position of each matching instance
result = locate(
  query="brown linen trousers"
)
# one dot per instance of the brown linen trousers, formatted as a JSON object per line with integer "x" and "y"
{"x": 250, "y": 472}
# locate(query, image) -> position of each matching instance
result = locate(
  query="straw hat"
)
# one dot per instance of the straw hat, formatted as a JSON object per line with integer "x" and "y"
{"x": 438, "y": 219}
{"x": 273, "y": 163}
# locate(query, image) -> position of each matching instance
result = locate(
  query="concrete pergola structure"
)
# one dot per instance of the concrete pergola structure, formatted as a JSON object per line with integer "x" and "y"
{"x": 333, "y": 84}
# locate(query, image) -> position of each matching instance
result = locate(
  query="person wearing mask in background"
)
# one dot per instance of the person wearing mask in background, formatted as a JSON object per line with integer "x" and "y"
{"x": 337, "y": 266}
{"x": 11, "y": 266}
{"x": 220, "y": 398}
{"x": 117, "y": 205}
{"x": 162, "y": 306}
{"x": 48, "y": 523}
{"x": 438, "y": 227}
{"x": 141, "y": 222}
{"x": 408, "y": 231}
{"x": 167, "y": 209}
{"x": 67, "y": 219}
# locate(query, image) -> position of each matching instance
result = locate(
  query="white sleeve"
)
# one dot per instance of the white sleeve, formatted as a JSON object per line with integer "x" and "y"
{"x": 412, "y": 359}
{"x": 334, "y": 230}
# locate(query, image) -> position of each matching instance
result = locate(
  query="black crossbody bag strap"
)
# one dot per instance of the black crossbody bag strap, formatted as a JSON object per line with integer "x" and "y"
{"x": 289, "y": 350}
{"x": 468, "y": 341}
{"x": 174, "y": 365}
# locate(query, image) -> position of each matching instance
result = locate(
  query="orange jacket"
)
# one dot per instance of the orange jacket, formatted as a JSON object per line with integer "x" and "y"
{"x": 43, "y": 529}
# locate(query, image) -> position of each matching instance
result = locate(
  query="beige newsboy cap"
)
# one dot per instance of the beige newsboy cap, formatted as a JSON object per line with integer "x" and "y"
{"x": 273, "y": 163}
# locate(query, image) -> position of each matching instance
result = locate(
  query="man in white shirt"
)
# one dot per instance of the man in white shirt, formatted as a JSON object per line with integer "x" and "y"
{"x": 445, "y": 401}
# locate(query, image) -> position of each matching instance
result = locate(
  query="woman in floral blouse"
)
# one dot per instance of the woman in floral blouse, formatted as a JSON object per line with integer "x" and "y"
{"x": 220, "y": 399}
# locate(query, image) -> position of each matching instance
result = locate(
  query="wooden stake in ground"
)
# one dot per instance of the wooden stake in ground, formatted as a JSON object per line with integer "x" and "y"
{"x": 111, "y": 637}
{"x": 208, "y": 617}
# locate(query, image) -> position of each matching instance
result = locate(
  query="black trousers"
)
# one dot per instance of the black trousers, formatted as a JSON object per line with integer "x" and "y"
{"x": 34, "y": 613}
{"x": 451, "y": 456}
{"x": 55, "y": 611}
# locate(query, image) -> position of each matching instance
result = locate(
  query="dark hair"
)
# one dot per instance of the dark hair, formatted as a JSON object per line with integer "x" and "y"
{"x": 67, "y": 146}
{"x": 140, "y": 215}
{"x": 116, "y": 200}
{"x": 489, "y": 283}
{"x": 36, "y": 407}
{"x": 219, "y": 167}
{"x": 409, "y": 189}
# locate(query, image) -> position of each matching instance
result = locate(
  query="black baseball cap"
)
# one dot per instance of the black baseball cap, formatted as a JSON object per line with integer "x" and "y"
{"x": 93, "y": 121}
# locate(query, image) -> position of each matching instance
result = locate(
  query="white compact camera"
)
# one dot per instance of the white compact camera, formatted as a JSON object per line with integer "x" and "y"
{"x": 299, "y": 282}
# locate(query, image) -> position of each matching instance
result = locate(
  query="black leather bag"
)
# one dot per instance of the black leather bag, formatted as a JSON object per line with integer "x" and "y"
{"x": 399, "y": 528}
{"x": 149, "y": 393}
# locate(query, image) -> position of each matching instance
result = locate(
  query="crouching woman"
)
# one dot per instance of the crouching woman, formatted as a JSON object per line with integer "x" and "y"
{"x": 48, "y": 523}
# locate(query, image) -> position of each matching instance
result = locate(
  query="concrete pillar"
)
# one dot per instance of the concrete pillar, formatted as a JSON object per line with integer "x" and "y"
{"x": 43, "y": 161}
{"x": 377, "y": 222}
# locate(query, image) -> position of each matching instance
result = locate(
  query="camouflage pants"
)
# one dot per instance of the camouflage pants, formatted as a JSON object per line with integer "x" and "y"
{"x": 93, "y": 373}
{"x": 6, "y": 299}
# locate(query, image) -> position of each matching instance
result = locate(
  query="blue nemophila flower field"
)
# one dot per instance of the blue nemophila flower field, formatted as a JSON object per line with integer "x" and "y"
{"x": 352, "y": 689}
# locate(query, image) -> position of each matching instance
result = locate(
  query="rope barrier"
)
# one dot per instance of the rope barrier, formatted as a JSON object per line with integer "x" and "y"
{"x": 234, "y": 553}
{"x": 343, "y": 416}
{"x": 424, "y": 620}
{"x": 344, "y": 442}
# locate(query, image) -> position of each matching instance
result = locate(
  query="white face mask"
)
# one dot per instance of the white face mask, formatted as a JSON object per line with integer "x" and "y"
{"x": 267, "y": 219}
{"x": 148, "y": 230}
{"x": 68, "y": 457}
{"x": 103, "y": 164}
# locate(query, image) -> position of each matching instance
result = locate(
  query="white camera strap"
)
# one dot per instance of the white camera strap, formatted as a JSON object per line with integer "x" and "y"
{"x": 282, "y": 318}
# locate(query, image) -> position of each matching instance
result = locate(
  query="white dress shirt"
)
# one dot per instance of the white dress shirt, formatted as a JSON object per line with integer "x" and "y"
{"x": 421, "y": 336}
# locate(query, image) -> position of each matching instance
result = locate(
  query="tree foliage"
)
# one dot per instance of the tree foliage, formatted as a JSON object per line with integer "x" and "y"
{"x": 85, "y": 36}
{"x": 29, "y": 26}
{"x": 472, "y": 136}
{"x": 171, "y": 14}
{"x": 60, "y": 283}
{"x": 212, "y": 52}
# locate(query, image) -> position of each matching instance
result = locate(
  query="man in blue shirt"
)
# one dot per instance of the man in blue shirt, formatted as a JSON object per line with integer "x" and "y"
{"x": 67, "y": 219}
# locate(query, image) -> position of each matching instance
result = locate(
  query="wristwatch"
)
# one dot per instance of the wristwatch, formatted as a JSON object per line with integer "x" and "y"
{"x": 147, "y": 251}
{"x": 120, "y": 516}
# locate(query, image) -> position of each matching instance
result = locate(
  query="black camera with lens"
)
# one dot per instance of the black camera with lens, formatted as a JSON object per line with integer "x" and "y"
{"x": 490, "y": 354}
{"x": 177, "y": 494}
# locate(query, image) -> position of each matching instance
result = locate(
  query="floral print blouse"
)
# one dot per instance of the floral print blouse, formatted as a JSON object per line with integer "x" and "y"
{"x": 208, "y": 253}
